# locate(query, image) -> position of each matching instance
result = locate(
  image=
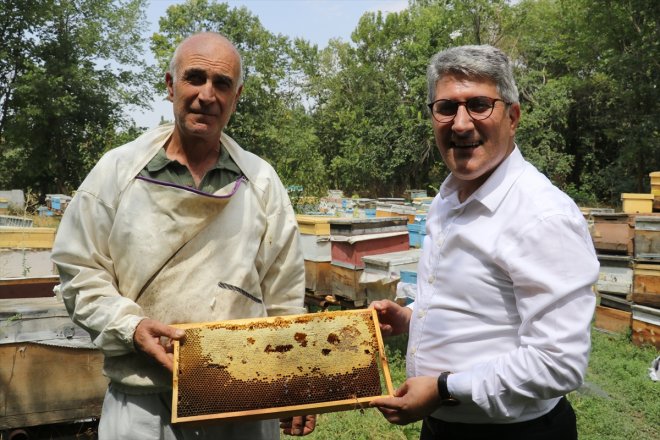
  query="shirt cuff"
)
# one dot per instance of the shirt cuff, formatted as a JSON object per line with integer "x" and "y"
{"x": 459, "y": 385}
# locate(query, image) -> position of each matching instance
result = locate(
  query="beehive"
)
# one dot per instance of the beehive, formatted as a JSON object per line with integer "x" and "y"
{"x": 636, "y": 203}
{"x": 280, "y": 366}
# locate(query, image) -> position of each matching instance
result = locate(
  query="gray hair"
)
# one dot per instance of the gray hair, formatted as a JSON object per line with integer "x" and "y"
{"x": 474, "y": 62}
{"x": 174, "y": 62}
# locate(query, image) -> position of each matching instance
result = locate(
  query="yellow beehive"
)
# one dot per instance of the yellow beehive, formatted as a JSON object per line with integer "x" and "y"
{"x": 26, "y": 238}
{"x": 313, "y": 224}
{"x": 655, "y": 183}
{"x": 279, "y": 366}
{"x": 636, "y": 203}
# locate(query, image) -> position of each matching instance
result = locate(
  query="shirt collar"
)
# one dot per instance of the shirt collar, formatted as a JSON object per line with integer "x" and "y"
{"x": 161, "y": 160}
{"x": 494, "y": 189}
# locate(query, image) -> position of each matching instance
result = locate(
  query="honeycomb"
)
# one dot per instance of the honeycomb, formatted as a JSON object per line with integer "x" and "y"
{"x": 270, "y": 367}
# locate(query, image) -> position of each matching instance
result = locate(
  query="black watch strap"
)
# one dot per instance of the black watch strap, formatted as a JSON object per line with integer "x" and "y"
{"x": 446, "y": 399}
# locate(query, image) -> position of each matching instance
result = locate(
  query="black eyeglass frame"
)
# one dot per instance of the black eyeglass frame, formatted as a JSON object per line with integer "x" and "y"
{"x": 477, "y": 117}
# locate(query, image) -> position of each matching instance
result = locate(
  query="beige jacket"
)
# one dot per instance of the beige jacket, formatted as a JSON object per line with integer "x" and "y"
{"x": 129, "y": 248}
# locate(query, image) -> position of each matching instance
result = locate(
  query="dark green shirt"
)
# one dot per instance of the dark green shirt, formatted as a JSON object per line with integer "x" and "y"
{"x": 223, "y": 173}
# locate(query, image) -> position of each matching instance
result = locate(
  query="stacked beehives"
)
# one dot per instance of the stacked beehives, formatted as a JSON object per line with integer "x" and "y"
{"x": 352, "y": 239}
{"x": 315, "y": 239}
{"x": 628, "y": 247}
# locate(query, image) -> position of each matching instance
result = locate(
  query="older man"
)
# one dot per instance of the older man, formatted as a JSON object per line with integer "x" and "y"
{"x": 180, "y": 225}
{"x": 500, "y": 329}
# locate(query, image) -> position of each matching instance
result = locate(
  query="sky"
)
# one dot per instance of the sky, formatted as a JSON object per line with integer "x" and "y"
{"x": 316, "y": 21}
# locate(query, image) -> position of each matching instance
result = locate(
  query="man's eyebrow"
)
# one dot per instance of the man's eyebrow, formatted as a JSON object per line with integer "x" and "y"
{"x": 223, "y": 79}
{"x": 193, "y": 71}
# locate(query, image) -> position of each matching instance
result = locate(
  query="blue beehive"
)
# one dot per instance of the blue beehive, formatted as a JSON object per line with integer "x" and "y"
{"x": 408, "y": 276}
{"x": 416, "y": 235}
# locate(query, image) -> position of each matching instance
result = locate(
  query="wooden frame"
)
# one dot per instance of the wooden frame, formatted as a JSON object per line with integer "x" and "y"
{"x": 44, "y": 384}
{"x": 28, "y": 287}
{"x": 613, "y": 232}
{"x": 278, "y": 353}
{"x": 612, "y": 320}
{"x": 646, "y": 285}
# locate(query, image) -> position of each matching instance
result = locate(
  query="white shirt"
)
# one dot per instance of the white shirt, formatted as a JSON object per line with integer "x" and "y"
{"x": 505, "y": 297}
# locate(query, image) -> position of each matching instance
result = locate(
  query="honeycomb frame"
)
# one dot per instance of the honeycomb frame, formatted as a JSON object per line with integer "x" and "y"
{"x": 274, "y": 367}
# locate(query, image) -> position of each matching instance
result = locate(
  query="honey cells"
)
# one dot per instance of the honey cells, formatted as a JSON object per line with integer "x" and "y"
{"x": 306, "y": 359}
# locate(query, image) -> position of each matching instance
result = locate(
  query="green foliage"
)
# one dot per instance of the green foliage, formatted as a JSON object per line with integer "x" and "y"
{"x": 618, "y": 400}
{"x": 61, "y": 106}
{"x": 599, "y": 62}
{"x": 351, "y": 115}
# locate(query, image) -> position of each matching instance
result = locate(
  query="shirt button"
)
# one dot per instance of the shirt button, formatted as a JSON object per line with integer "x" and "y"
{"x": 431, "y": 279}
{"x": 413, "y": 350}
{"x": 439, "y": 242}
{"x": 421, "y": 313}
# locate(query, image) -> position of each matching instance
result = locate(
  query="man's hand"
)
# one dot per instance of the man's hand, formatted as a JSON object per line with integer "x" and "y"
{"x": 393, "y": 318}
{"x": 298, "y": 425}
{"x": 415, "y": 399}
{"x": 147, "y": 339}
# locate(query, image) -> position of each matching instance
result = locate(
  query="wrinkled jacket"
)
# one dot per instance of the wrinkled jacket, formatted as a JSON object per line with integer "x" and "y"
{"x": 129, "y": 248}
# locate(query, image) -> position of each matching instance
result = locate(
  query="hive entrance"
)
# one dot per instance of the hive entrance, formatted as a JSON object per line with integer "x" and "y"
{"x": 274, "y": 367}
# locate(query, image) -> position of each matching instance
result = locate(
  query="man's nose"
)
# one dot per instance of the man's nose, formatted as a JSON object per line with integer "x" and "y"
{"x": 462, "y": 121}
{"x": 207, "y": 91}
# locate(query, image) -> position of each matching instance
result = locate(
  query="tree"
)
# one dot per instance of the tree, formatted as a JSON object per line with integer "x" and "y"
{"x": 65, "y": 106}
{"x": 590, "y": 83}
{"x": 18, "y": 21}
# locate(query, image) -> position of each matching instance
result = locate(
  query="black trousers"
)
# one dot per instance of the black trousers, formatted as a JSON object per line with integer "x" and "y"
{"x": 558, "y": 424}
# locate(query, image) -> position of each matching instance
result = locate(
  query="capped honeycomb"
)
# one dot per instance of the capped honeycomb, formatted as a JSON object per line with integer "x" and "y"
{"x": 274, "y": 367}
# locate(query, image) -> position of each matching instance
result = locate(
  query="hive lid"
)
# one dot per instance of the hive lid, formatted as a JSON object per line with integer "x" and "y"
{"x": 646, "y": 314}
{"x": 393, "y": 258}
{"x": 365, "y": 237}
{"x": 265, "y": 368}
{"x": 40, "y": 321}
{"x": 637, "y": 196}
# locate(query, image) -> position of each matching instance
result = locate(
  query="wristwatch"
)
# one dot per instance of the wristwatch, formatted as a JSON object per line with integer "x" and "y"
{"x": 446, "y": 399}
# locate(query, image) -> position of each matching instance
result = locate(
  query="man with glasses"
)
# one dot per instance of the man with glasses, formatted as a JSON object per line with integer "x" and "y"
{"x": 181, "y": 225}
{"x": 499, "y": 331}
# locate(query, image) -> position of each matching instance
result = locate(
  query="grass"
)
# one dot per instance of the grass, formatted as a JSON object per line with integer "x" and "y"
{"x": 617, "y": 402}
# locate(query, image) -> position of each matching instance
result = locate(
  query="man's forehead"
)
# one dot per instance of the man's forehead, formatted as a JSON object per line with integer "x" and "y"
{"x": 464, "y": 83}
{"x": 215, "y": 64}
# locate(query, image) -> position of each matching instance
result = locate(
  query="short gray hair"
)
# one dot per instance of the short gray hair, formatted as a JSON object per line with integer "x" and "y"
{"x": 474, "y": 62}
{"x": 173, "y": 68}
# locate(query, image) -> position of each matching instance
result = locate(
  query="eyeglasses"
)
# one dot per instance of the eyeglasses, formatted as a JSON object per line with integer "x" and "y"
{"x": 479, "y": 108}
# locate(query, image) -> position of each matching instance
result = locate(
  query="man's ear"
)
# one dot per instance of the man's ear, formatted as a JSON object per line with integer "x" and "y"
{"x": 514, "y": 116}
{"x": 238, "y": 95}
{"x": 169, "y": 82}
